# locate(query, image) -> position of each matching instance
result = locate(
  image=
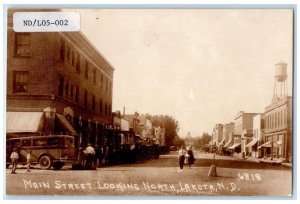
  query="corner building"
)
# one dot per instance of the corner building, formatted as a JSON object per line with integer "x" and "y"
{"x": 60, "y": 78}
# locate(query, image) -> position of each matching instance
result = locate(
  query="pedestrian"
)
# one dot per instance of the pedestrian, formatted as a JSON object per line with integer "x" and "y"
{"x": 28, "y": 161}
{"x": 90, "y": 153}
{"x": 14, "y": 160}
{"x": 181, "y": 154}
{"x": 191, "y": 158}
{"x": 98, "y": 156}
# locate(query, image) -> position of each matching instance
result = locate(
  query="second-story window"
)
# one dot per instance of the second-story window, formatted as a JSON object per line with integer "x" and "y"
{"x": 85, "y": 99}
{"x": 61, "y": 86}
{"x": 71, "y": 91}
{"x": 20, "y": 81}
{"x": 77, "y": 62}
{"x": 73, "y": 58}
{"x": 94, "y": 75}
{"x": 93, "y": 103}
{"x": 22, "y": 45}
{"x": 68, "y": 54}
{"x": 101, "y": 106}
{"x": 101, "y": 82}
{"x": 67, "y": 89}
{"x": 62, "y": 50}
{"x": 77, "y": 94}
{"x": 86, "y": 71}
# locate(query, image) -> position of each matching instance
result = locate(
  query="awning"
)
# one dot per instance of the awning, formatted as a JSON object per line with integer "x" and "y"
{"x": 250, "y": 144}
{"x": 228, "y": 143}
{"x": 24, "y": 122}
{"x": 65, "y": 123}
{"x": 221, "y": 142}
{"x": 234, "y": 145}
{"x": 267, "y": 144}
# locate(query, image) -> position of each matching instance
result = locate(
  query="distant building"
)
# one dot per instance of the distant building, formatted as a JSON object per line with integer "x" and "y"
{"x": 217, "y": 135}
{"x": 160, "y": 136}
{"x": 258, "y": 135}
{"x": 58, "y": 80}
{"x": 243, "y": 130}
{"x": 226, "y": 135}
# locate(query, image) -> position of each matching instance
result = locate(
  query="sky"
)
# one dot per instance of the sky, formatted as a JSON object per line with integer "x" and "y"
{"x": 200, "y": 66}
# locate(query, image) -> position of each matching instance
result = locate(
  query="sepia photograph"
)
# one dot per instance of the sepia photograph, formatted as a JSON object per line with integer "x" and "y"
{"x": 174, "y": 102}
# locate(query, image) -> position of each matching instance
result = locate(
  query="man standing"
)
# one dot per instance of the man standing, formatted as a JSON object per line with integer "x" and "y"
{"x": 14, "y": 160}
{"x": 90, "y": 153}
{"x": 181, "y": 154}
{"x": 28, "y": 161}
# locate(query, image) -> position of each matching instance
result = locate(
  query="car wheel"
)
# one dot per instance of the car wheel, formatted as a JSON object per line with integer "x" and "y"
{"x": 45, "y": 162}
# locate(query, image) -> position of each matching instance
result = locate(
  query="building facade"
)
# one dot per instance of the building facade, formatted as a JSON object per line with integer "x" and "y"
{"x": 227, "y": 133}
{"x": 278, "y": 130}
{"x": 217, "y": 135}
{"x": 243, "y": 130}
{"x": 258, "y": 135}
{"x": 64, "y": 77}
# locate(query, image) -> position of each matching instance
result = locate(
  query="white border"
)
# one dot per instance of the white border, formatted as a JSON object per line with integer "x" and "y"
{"x": 156, "y": 3}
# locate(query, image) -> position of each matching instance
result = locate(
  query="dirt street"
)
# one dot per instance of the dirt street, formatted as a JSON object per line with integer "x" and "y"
{"x": 160, "y": 177}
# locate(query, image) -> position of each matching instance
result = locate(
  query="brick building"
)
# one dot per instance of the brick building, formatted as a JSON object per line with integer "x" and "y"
{"x": 60, "y": 82}
{"x": 278, "y": 130}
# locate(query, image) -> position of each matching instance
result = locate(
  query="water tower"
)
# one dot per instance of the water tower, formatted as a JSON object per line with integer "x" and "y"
{"x": 280, "y": 86}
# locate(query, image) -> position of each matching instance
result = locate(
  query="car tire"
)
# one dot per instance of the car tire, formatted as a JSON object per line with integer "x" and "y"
{"x": 45, "y": 162}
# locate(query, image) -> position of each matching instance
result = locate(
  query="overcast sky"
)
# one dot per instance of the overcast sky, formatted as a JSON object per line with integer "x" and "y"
{"x": 200, "y": 66}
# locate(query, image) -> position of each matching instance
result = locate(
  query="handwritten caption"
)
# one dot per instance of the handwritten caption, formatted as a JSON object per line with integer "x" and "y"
{"x": 179, "y": 187}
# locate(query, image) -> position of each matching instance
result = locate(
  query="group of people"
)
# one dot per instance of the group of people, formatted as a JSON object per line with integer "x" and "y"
{"x": 91, "y": 156}
{"x": 14, "y": 160}
{"x": 185, "y": 156}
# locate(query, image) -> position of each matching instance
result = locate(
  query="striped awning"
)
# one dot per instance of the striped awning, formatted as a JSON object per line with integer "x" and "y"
{"x": 21, "y": 122}
{"x": 220, "y": 143}
{"x": 228, "y": 143}
{"x": 234, "y": 145}
{"x": 267, "y": 144}
{"x": 65, "y": 123}
{"x": 250, "y": 144}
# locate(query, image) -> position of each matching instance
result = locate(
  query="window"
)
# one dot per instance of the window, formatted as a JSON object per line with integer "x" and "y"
{"x": 105, "y": 110}
{"x": 73, "y": 58}
{"x": 106, "y": 85}
{"x": 40, "y": 142}
{"x": 86, "y": 71}
{"x": 22, "y": 44}
{"x": 85, "y": 98}
{"x": 68, "y": 54}
{"x": 62, "y": 50}
{"x": 71, "y": 91}
{"x": 67, "y": 89}
{"x": 101, "y": 107}
{"x": 61, "y": 86}
{"x": 94, "y": 75}
{"x": 26, "y": 142}
{"x": 101, "y": 83}
{"x": 20, "y": 81}
{"x": 77, "y": 94}
{"x": 93, "y": 103}
{"x": 77, "y": 62}
{"x": 110, "y": 91}
{"x": 109, "y": 110}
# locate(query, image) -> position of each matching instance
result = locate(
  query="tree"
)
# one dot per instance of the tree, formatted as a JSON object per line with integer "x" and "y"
{"x": 171, "y": 126}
